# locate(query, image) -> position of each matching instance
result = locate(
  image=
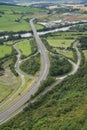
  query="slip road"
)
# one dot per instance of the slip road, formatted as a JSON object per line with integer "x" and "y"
{"x": 10, "y": 111}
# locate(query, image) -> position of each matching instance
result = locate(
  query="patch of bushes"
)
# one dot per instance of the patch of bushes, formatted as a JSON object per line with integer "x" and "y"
{"x": 59, "y": 66}
{"x": 12, "y": 66}
{"x": 44, "y": 84}
{"x": 83, "y": 42}
{"x": 32, "y": 65}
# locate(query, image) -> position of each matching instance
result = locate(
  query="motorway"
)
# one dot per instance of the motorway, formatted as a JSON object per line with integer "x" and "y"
{"x": 60, "y": 79}
{"x": 45, "y": 64}
{"x": 12, "y": 110}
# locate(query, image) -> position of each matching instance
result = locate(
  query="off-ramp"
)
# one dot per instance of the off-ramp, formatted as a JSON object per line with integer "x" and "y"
{"x": 12, "y": 110}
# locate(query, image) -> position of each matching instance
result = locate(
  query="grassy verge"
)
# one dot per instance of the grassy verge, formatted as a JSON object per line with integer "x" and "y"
{"x": 85, "y": 54}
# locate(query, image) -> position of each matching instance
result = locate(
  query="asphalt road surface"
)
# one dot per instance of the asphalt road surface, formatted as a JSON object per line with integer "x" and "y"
{"x": 10, "y": 111}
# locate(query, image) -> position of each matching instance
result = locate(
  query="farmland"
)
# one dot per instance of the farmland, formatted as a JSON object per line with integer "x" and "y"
{"x": 20, "y": 9}
{"x": 13, "y": 18}
{"x": 5, "y": 50}
{"x": 9, "y": 19}
{"x": 75, "y": 14}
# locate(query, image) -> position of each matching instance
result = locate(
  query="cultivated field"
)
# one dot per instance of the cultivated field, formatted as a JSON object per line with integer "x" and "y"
{"x": 5, "y": 50}
{"x": 15, "y": 18}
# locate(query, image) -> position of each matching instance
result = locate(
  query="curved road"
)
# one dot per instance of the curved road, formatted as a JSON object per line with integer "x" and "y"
{"x": 60, "y": 79}
{"x": 10, "y": 111}
{"x": 19, "y": 73}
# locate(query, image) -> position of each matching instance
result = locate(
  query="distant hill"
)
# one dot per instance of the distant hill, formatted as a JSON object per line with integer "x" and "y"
{"x": 45, "y": 1}
{"x": 7, "y": 1}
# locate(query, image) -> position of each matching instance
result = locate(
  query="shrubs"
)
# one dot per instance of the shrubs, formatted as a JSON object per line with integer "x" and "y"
{"x": 59, "y": 66}
{"x": 44, "y": 84}
{"x": 12, "y": 66}
{"x": 33, "y": 46}
{"x": 32, "y": 65}
{"x": 83, "y": 43}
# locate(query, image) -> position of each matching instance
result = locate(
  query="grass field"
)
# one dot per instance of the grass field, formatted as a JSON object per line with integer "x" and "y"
{"x": 4, "y": 92}
{"x": 14, "y": 17}
{"x": 20, "y": 9}
{"x": 8, "y": 83}
{"x": 38, "y": 26}
{"x": 8, "y": 23}
{"x": 62, "y": 43}
{"x": 68, "y": 54}
{"x": 5, "y": 50}
{"x": 25, "y": 47}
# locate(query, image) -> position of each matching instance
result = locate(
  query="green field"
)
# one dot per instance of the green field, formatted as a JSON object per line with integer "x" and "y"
{"x": 8, "y": 83}
{"x": 62, "y": 43}
{"x": 38, "y": 26}
{"x": 20, "y": 9}
{"x": 5, "y": 50}
{"x": 4, "y": 92}
{"x": 14, "y": 18}
{"x": 25, "y": 47}
{"x": 68, "y": 54}
{"x": 8, "y": 23}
